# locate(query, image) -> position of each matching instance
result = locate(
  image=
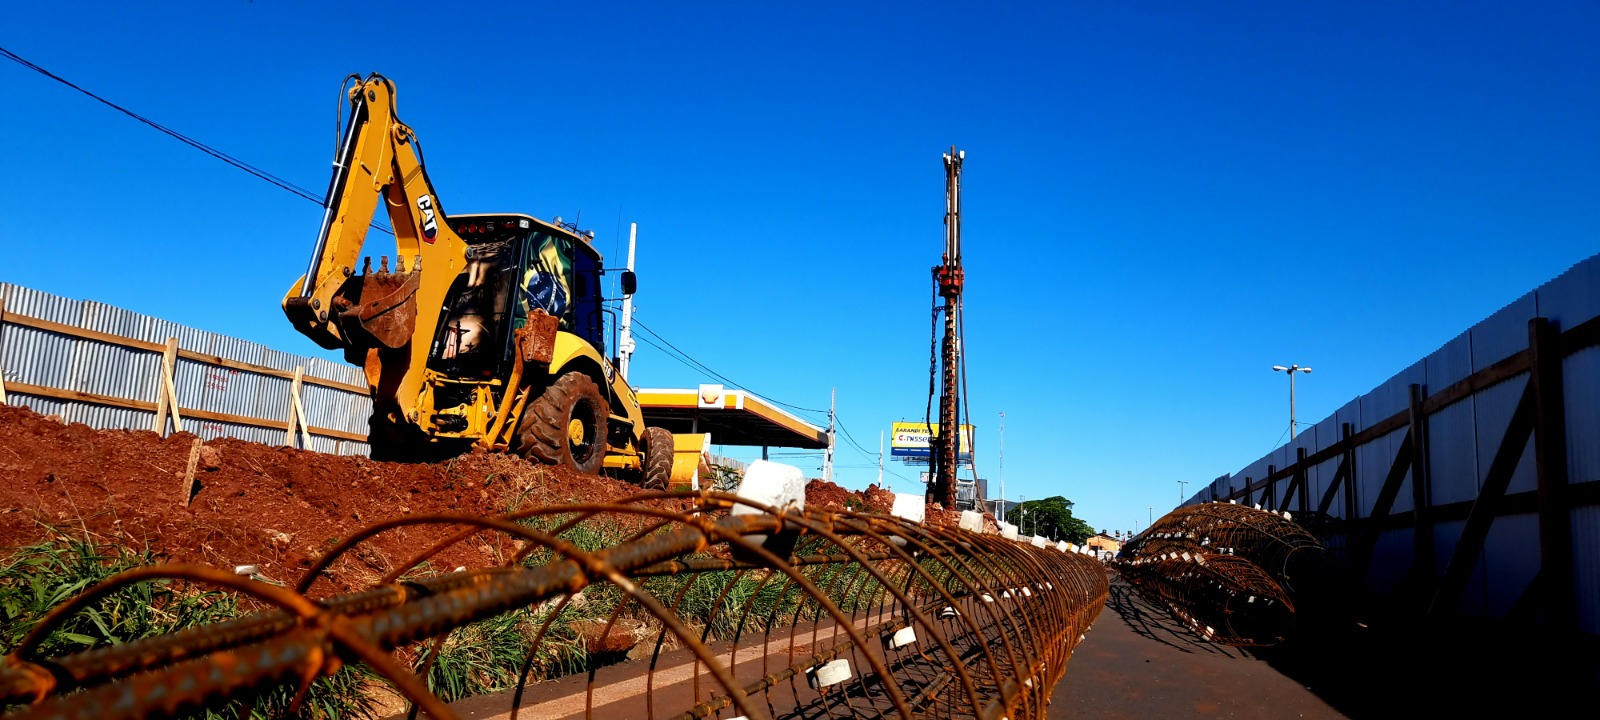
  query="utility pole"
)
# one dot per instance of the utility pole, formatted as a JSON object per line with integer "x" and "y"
{"x": 1022, "y": 511}
{"x": 625, "y": 344}
{"x": 1001, "y": 508}
{"x": 1292, "y": 369}
{"x": 880, "y": 458}
{"x": 1181, "y": 496}
{"x": 949, "y": 277}
{"x": 827, "y": 463}
{"x": 1150, "y": 512}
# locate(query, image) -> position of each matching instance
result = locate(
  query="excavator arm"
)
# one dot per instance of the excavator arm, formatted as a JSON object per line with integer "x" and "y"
{"x": 382, "y": 319}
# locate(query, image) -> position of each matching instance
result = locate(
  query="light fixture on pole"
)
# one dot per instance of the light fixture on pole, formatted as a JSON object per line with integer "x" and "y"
{"x": 1150, "y": 511}
{"x": 1291, "y": 370}
{"x": 1181, "y": 483}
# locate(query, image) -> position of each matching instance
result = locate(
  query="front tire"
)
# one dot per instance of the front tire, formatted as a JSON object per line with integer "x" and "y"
{"x": 566, "y": 425}
{"x": 659, "y": 449}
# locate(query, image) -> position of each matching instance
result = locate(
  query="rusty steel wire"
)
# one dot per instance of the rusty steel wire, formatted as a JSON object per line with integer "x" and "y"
{"x": 767, "y": 614}
{"x": 1223, "y": 569}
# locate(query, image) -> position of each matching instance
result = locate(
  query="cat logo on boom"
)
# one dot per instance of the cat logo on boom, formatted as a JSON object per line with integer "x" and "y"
{"x": 430, "y": 226}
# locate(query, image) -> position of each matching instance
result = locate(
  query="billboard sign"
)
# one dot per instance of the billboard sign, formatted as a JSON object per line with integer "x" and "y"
{"x": 912, "y": 442}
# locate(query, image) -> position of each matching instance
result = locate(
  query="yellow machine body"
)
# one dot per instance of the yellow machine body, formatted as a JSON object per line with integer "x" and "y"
{"x": 385, "y": 320}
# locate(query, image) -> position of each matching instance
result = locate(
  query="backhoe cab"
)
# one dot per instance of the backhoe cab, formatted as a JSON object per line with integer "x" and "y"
{"x": 489, "y": 330}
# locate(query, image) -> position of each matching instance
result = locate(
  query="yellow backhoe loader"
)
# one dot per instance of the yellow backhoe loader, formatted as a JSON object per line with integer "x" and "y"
{"x": 489, "y": 329}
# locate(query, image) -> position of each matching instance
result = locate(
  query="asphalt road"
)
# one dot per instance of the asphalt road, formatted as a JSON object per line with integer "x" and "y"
{"x": 1137, "y": 662}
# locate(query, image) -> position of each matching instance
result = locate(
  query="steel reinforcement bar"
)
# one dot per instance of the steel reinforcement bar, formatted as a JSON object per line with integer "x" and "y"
{"x": 792, "y": 613}
{"x": 1223, "y": 569}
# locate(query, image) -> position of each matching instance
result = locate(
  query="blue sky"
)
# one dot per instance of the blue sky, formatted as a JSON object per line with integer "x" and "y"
{"x": 1163, "y": 200}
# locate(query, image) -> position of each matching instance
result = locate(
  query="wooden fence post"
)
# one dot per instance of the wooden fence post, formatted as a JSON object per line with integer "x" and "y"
{"x": 297, "y": 413}
{"x": 2, "y": 349}
{"x": 1550, "y": 468}
{"x": 188, "y": 473}
{"x": 166, "y": 392}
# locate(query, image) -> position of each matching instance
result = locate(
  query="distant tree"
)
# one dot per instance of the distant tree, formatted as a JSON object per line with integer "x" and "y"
{"x": 1052, "y": 517}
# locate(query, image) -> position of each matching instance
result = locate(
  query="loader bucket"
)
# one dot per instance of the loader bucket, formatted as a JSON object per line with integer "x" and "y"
{"x": 386, "y": 311}
{"x": 690, "y": 460}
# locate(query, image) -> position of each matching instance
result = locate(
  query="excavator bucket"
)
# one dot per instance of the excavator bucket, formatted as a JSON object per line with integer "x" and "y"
{"x": 386, "y": 310}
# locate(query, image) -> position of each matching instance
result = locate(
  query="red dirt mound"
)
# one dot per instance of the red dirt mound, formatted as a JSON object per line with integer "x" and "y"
{"x": 276, "y": 508}
{"x": 825, "y": 495}
{"x": 880, "y": 499}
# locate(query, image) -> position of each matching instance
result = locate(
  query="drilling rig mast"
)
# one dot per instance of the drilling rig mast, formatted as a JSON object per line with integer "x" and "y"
{"x": 948, "y": 277}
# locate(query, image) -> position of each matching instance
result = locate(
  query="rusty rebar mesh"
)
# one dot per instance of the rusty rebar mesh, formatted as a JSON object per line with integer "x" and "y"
{"x": 1223, "y": 569}
{"x": 763, "y": 614}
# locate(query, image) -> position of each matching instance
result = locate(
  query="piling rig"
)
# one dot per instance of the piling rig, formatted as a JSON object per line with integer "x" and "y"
{"x": 1222, "y": 569}
{"x": 815, "y": 613}
{"x": 948, "y": 278}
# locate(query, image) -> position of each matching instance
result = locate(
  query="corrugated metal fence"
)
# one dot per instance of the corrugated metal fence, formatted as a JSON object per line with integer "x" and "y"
{"x": 1467, "y": 485}
{"x": 100, "y": 365}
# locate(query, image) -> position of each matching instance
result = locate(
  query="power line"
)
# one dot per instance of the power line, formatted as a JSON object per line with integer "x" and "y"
{"x": 852, "y": 438}
{"x": 180, "y": 137}
{"x": 688, "y": 361}
{"x": 719, "y": 376}
{"x": 867, "y": 453}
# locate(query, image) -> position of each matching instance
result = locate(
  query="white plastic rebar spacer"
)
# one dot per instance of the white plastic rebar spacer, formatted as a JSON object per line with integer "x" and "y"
{"x": 781, "y": 486}
{"x": 970, "y": 521}
{"x": 769, "y": 483}
{"x": 1038, "y": 541}
{"x": 911, "y": 507}
{"x": 1008, "y": 531}
{"x": 829, "y": 673}
{"x": 902, "y": 637}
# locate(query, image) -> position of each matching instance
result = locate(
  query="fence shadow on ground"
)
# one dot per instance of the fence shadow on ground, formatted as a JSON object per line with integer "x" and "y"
{"x": 1393, "y": 668}
{"x": 1157, "y": 623}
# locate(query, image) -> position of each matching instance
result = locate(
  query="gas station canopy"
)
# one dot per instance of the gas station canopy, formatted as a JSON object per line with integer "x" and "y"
{"x": 732, "y": 417}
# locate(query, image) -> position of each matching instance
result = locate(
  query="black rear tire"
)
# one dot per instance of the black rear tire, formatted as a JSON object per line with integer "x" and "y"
{"x": 658, "y": 452}
{"x": 572, "y": 405}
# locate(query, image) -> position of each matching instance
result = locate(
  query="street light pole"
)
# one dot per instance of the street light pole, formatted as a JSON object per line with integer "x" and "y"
{"x": 1292, "y": 369}
{"x": 1150, "y": 511}
{"x": 1001, "y": 515}
{"x": 1181, "y": 484}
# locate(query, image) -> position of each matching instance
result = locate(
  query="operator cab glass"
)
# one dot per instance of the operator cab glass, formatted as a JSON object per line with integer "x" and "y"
{"x": 514, "y": 265}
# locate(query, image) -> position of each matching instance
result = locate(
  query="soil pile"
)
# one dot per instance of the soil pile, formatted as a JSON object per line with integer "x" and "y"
{"x": 276, "y": 508}
{"x": 825, "y": 495}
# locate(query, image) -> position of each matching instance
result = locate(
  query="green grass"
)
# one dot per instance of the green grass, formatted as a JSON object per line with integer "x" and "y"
{"x": 484, "y": 657}
{"x": 37, "y": 578}
{"x": 488, "y": 656}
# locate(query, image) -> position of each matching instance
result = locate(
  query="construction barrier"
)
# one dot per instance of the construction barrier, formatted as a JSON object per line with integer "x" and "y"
{"x": 110, "y": 368}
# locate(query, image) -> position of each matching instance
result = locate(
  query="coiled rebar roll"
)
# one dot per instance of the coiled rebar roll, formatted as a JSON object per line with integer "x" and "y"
{"x": 1222, "y": 569}
{"x": 772, "y": 613}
